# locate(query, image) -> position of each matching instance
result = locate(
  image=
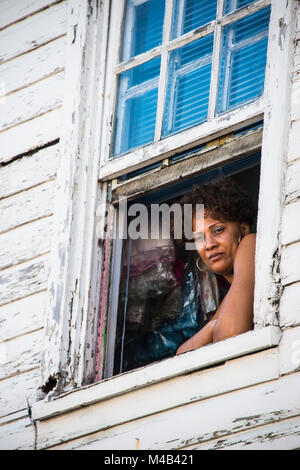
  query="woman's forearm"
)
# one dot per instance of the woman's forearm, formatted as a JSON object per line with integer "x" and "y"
{"x": 203, "y": 337}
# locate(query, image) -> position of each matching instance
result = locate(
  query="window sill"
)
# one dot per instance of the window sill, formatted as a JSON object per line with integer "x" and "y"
{"x": 207, "y": 356}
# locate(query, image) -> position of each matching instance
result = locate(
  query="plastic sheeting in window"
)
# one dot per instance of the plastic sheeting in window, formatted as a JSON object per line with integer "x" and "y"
{"x": 143, "y": 26}
{"x": 137, "y": 104}
{"x": 188, "y": 85}
{"x": 243, "y": 60}
{"x": 192, "y": 14}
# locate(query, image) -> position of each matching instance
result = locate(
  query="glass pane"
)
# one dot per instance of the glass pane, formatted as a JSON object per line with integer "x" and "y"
{"x": 143, "y": 26}
{"x": 137, "y": 104}
{"x": 243, "y": 60}
{"x": 232, "y": 5}
{"x": 188, "y": 85}
{"x": 151, "y": 302}
{"x": 191, "y": 14}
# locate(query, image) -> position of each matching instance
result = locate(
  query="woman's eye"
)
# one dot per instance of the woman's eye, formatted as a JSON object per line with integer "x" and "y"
{"x": 218, "y": 230}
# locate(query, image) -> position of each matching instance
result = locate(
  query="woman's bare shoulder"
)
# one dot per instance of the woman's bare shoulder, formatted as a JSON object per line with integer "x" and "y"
{"x": 248, "y": 242}
{"x": 245, "y": 255}
{"x": 249, "y": 237}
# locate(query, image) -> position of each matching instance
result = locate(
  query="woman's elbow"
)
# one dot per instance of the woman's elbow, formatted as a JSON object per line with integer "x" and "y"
{"x": 220, "y": 333}
{"x": 224, "y": 330}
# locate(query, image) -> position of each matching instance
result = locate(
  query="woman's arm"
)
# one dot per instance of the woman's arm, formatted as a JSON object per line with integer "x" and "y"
{"x": 235, "y": 313}
{"x": 201, "y": 338}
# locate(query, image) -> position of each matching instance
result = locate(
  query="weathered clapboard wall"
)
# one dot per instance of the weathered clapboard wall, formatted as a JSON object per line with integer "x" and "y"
{"x": 250, "y": 402}
{"x": 32, "y": 60}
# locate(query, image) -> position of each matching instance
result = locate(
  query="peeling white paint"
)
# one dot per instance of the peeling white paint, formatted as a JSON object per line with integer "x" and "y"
{"x": 255, "y": 399}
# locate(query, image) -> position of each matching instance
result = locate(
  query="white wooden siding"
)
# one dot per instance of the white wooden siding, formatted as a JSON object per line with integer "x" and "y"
{"x": 251, "y": 402}
{"x": 28, "y": 171}
{"x": 18, "y": 434}
{"x": 26, "y": 206}
{"x": 290, "y": 305}
{"x": 293, "y": 181}
{"x": 280, "y": 436}
{"x": 294, "y": 138}
{"x": 290, "y": 261}
{"x": 289, "y": 350}
{"x": 23, "y": 385}
{"x": 186, "y": 411}
{"x": 25, "y": 242}
{"x": 33, "y": 66}
{"x": 30, "y": 135}
{"x": 290, "y": 226}
{"x": 32, "y": 61}
{"x": 290, "y": 232}
{"x": 198, "y": 421}
{"x": 32, "y": 101}
{"x": 14, "y": 10}
{"x": 22, "y": 316}
{"x": 21, "y": 354}
{"x": 33, "y": 31}
{"x": 24, "y": 279}
{"x": 157, "y": 398}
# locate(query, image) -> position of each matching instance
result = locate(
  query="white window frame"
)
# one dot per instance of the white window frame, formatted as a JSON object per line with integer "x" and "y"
{"x": 76, "y": 256}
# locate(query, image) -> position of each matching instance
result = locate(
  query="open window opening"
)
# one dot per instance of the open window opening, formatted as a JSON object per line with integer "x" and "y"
{"x": 163, "y": 298}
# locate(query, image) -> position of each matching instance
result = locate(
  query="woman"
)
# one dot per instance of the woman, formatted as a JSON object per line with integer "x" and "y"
{"x": 227, "y": 248}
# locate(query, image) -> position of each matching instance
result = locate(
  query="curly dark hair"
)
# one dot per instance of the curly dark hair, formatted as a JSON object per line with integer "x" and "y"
{"x": 223, "y": 199}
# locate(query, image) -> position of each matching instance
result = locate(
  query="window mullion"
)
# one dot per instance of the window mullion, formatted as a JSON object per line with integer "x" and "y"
{"x": 246, "y": 42}
{"x": 243, "y": 12}
{"x": 198, "y": 63}
{"x": 137, "y": 60}
{"x": 163, "y": 69}
{"x": 227, "y": 72}
{"x": 191, "y": 36}
{"x": 169, "y": 45}
{"x": 127, "y": 42}
{"x": 138, "y": 90}
{"x": 215, "y": 63}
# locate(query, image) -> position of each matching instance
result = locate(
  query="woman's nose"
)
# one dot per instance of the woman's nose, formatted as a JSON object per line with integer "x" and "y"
{"x": 209, "y": 242}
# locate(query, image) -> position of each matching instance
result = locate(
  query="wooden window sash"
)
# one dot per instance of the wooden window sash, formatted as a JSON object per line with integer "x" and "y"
{"x": 112, "y": 167}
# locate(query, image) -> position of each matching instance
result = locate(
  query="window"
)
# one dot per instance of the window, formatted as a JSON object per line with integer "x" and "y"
{"x": 182, "y": 63}
{"x": 182, "y": 66}
{"x": 163, "y": 298}
{"x": 83, "y": 299}
{"x": 148, "y": 317}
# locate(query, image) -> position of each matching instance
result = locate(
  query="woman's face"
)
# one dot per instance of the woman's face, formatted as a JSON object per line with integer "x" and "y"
{"x": 218, "y": 243}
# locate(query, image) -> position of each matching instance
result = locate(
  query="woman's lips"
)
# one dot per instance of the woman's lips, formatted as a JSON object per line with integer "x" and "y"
{"x": 215, "y": 257}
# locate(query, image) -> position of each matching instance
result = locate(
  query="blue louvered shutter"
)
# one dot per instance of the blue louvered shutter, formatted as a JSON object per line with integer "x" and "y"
{"x": 243, "y": 60}
{"x": 143, "y": 26}
{"x": 188, "y": 85}
{"x": 137, "y": 105}
{"x": 188, "y": 81}
{"x": 232, "y": 5}
{"x": 192, "y": 14}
